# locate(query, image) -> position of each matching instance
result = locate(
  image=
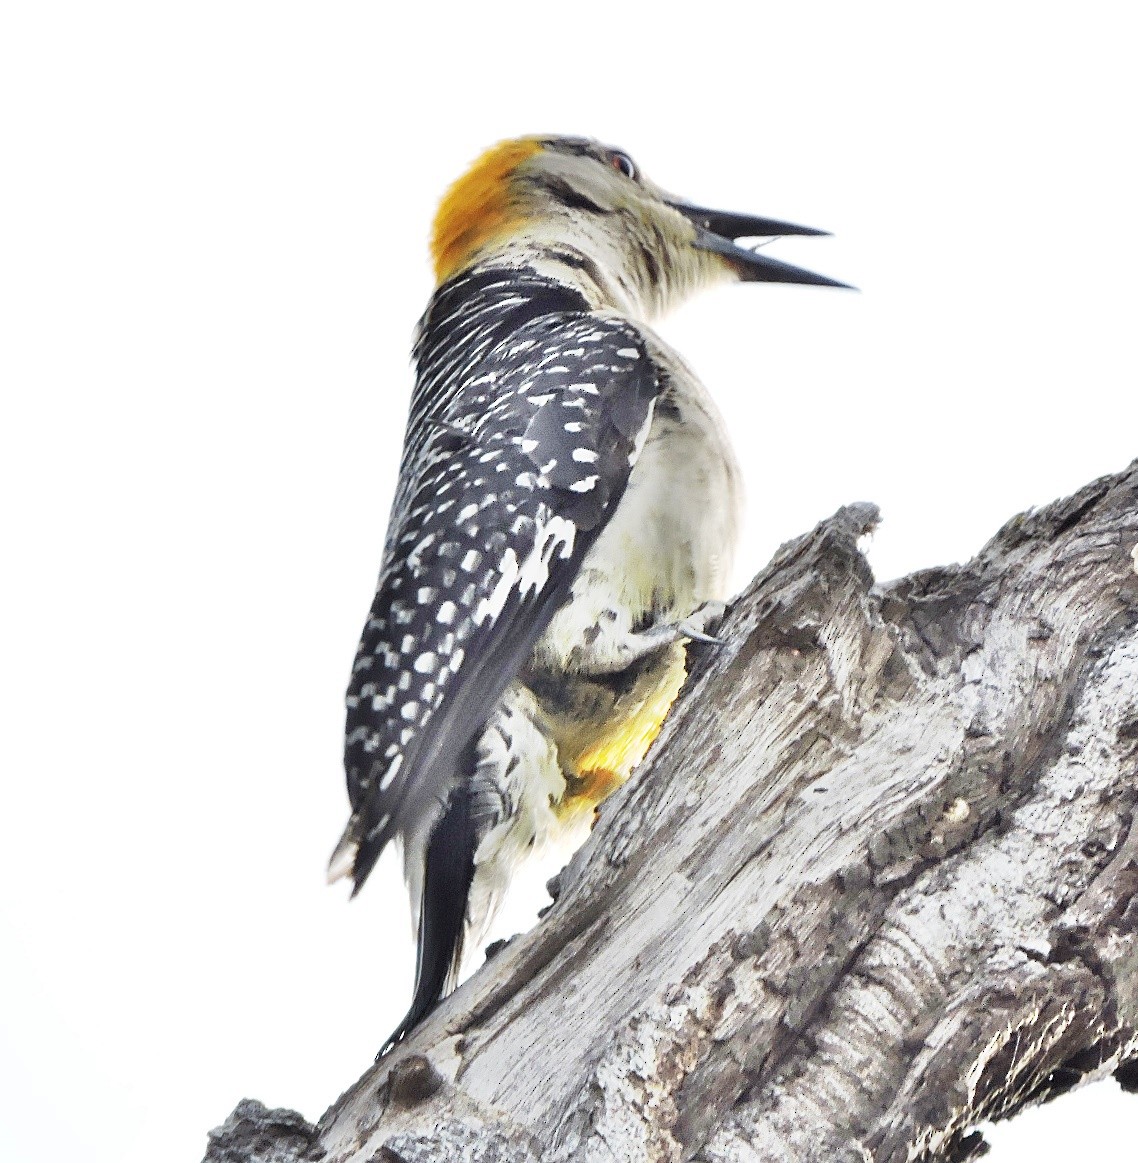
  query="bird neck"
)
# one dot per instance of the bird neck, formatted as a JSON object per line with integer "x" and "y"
{"x": 604, "y": 284}
{"x": 638, "y": 277}
{"x": 473, "y": 311}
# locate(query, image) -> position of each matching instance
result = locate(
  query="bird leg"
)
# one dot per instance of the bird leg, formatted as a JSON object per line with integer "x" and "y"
{"x": 607, "y": 652}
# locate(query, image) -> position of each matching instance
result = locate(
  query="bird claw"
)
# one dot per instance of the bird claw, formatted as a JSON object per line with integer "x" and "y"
{"x": 698, "y": 636}
{"x": 696, "y": 626}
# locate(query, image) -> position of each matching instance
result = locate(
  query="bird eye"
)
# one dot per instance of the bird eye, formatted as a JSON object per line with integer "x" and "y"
{"x": 623, "y": 163}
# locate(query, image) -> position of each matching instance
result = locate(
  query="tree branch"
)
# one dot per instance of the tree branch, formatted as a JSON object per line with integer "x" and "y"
{"x": 876, "y": 883}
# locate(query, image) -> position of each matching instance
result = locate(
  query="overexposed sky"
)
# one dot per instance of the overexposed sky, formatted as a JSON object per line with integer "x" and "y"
{"x": 213, "y": 223}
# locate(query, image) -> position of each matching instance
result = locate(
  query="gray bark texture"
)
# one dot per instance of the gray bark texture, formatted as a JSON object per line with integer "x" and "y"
{"x": 877, "y": 882}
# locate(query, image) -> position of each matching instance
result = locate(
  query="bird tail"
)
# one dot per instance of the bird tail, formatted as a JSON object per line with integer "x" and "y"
{"x": 343, "y": 861}
{"x": 448, "y": 873}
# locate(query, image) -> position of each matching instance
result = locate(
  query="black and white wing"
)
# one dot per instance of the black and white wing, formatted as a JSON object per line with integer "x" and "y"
{"x": 522, "y": 467}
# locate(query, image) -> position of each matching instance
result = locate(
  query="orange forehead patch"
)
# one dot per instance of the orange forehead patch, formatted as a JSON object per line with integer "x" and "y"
{"x": 478, "y": 207}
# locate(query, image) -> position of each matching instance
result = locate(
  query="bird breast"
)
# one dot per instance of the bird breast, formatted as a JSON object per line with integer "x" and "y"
{"x": 670, "y": 545}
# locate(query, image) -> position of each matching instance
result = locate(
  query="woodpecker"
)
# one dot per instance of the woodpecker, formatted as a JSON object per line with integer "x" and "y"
{"x": 564, "y": 523}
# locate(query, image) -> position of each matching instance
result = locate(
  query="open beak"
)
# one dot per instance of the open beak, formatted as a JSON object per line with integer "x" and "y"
{"x": 717, "y": 230}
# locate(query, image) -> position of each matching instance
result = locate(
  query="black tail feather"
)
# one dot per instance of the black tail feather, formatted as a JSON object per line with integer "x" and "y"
{"x": 442, "y": 911}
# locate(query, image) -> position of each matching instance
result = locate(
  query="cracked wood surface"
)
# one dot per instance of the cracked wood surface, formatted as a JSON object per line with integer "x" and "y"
{"x": 877, "y": 881}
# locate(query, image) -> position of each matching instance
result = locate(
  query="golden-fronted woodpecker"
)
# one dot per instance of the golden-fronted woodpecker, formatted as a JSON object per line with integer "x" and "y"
{"x": 565, "y": 520}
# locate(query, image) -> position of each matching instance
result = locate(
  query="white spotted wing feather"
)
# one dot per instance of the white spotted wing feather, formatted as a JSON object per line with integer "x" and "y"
{"x": 513, "y": 479}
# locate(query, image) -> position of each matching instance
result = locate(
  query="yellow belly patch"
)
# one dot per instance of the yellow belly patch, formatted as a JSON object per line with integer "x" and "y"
{"x": 614, "y": 750}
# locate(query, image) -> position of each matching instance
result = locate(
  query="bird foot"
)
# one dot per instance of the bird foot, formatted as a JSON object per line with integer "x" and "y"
{"x": 699, "y": 622}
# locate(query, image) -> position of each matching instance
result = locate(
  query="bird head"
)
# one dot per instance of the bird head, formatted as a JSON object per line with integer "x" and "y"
{"x": 574, "y": 203}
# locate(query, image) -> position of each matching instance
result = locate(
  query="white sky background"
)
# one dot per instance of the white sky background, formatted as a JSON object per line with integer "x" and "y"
{"x": 212, "y": 253}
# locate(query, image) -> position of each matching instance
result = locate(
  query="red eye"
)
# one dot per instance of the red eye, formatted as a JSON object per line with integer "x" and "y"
{"x": 622, "y": 162}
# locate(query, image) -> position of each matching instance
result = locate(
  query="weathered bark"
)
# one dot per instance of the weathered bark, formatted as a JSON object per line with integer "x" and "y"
{"x": 877, "y": 882}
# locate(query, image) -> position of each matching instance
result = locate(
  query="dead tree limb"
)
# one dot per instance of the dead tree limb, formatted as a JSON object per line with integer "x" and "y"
{"x": 877, "y": 882}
